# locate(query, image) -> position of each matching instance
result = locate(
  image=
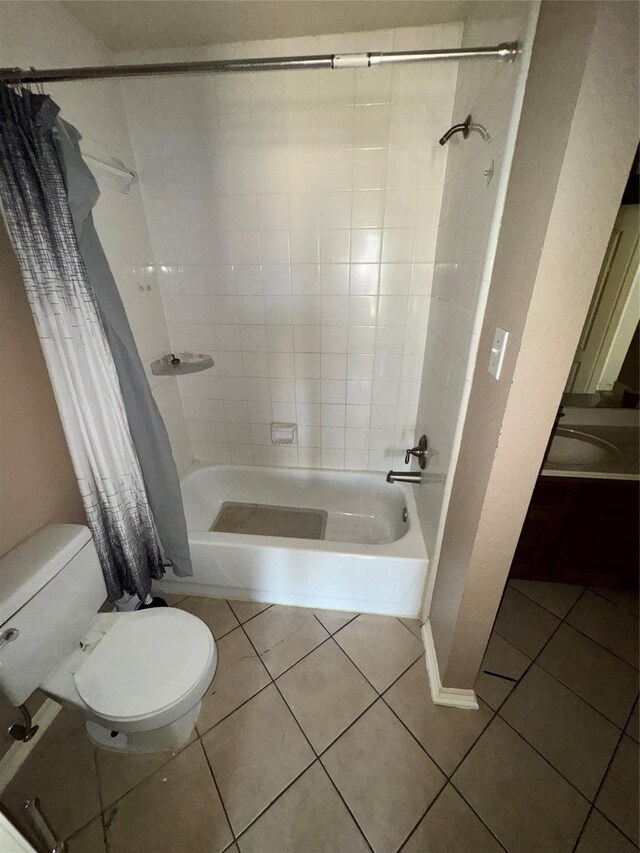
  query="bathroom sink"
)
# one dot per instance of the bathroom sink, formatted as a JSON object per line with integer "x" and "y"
{"x": 573, "y": 447}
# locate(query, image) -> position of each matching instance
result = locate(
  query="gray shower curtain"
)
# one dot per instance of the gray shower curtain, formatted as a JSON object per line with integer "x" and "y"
{"x": 148, "y": 431}
{"x": 77, "y": 331}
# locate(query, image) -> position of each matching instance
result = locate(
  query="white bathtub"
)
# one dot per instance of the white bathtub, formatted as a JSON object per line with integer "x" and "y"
{"x": 371, "y": 559}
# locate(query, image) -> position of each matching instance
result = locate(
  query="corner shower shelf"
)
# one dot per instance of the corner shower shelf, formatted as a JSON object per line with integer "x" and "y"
{"x": 180, "y": 364}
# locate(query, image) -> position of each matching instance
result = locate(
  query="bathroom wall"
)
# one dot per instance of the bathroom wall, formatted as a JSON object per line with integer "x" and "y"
{"x": 293, "y": 218}
{"x": 45, "y": 35}
{"x": 37, "y": 482}
{"x": 473, "y": 197}
{"x": 555, "y": 231}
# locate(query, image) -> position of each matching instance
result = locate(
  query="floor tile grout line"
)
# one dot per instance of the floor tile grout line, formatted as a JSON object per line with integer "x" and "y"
{"x": 314, "y": 751}
{"x": 318, "y": 755}
{"x": 351, "y": 724}
{"x": 277, "y": 687}
{"x": 400, "y": 618}
{"x": 480, "y": 818}
{"x": 84, "y": 826}
{"x": 272, "y": 682}
{"x": 544, "y": 607}
{"x": 496, "y": 713}
{"x": 255, "y": 615}
{"x": 372, "y": 703}
{"x": 219, "y": 792}
{"x": 566, "y": 687}
{"x": 381, "y": 696}
{"x": 238, "y": 837}
{"x": 615, "y": 654}
{"x": 101, "y": 800}
{"x": 535, "y": 660}
{"x": 305, "y": 655}
{"x": 408, "y": 730}
{"x": 615, "y": 603}
{"x": 332, "y": 633}
{"x": 614, "y": 825}
{"x": 148, "y": 775}
{"x": 404, "y": 671}
{"x": 448, "y": 776}
{"x": 346, "y": 805}
{"x": 585, "y": 590}
{"x": 202, "y": 734}
{"x": 316, "y": 760}
{"x": 545, "y": 759}
{"x": 599, "y": 788}
{"x": 423, "y": 815}
{"x": 540, "y": 651}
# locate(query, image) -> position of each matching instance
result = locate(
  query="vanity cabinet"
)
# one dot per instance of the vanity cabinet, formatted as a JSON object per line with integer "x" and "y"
{"x": 580, "y": 530}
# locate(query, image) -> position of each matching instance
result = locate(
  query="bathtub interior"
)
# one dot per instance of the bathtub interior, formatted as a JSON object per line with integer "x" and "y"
{"x": 359, "y": 509}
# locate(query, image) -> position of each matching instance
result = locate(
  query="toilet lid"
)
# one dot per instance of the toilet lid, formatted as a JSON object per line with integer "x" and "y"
{"x": 147, "y": 662}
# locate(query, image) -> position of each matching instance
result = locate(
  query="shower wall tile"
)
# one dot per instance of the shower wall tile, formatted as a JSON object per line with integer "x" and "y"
{"x": 470, "y": 212}
{"x": 293, "y": 217}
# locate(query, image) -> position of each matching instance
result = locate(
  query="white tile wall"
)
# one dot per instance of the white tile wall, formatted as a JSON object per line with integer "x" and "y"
{"x": 469, "y": 218}
{"x": 293, "y": 219}
{"x": 46, "y": 35}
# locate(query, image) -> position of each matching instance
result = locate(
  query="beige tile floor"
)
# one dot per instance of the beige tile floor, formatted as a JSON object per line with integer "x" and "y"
{"x": 318, "y": 736}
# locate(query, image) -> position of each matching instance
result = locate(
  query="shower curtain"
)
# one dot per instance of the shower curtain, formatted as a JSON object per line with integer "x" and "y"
{"x": 75, "y": 346}
{"x": 146, "y": 425}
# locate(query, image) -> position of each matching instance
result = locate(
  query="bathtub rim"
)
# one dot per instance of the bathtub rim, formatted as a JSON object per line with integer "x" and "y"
{"x": 410, "y": 545}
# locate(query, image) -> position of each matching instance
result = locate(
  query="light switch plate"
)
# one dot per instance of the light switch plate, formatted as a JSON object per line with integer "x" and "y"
{"x": 497, "y": 352}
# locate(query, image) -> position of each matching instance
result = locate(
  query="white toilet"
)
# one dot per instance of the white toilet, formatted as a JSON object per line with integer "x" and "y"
{"x": 138, "y": 677}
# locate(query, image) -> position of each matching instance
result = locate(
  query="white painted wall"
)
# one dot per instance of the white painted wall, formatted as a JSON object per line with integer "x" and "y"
{"x": 293, "y": 216}
{"x": 46, "y": 35}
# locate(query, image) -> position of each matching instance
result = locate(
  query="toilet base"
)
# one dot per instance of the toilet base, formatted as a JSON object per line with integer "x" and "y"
{"x": 171, "y": 737}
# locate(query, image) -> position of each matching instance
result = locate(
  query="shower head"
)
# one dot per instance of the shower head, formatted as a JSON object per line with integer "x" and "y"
{"x": 465, "y": 129}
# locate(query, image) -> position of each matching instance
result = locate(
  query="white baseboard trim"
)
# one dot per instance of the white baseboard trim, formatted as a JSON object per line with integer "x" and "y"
{"x": 453, "y": 697}
{"x": 18, "y": 752}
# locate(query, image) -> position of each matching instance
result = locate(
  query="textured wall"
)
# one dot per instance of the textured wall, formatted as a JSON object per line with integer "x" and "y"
{"x": 44, "y": 34}
{"x": 555, "y": 231}
{"x": 293, "y": 218}
{"x": 38, "y": 485}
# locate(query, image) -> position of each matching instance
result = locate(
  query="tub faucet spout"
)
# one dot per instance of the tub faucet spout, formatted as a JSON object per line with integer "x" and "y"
{"x": 404, "y": 477}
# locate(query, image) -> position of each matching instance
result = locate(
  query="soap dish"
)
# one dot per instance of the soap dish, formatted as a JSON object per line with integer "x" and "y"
{"x": 181, "y": 363}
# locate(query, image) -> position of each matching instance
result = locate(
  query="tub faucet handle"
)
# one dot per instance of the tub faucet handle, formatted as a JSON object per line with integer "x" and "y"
{"x": 420, "y": 452}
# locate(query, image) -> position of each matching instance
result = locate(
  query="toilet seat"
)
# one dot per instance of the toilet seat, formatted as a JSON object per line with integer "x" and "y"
{"x": 148, "y": 663}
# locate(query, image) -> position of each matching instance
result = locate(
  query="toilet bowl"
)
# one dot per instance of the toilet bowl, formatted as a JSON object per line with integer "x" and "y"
{"x": 138, "y": 678}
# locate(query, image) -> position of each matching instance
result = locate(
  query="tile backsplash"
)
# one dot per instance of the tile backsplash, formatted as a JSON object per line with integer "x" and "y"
{"x": 293, "y": 221}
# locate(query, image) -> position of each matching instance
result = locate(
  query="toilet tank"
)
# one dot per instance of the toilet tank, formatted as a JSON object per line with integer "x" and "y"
{"x": 51, "y": 588}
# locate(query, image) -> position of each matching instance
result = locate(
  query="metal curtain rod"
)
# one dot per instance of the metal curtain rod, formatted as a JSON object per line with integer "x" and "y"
{"x": 506, "y": 51}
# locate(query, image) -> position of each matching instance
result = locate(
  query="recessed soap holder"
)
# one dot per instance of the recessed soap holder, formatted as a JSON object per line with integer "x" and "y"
{"x": 181, "y": 364}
